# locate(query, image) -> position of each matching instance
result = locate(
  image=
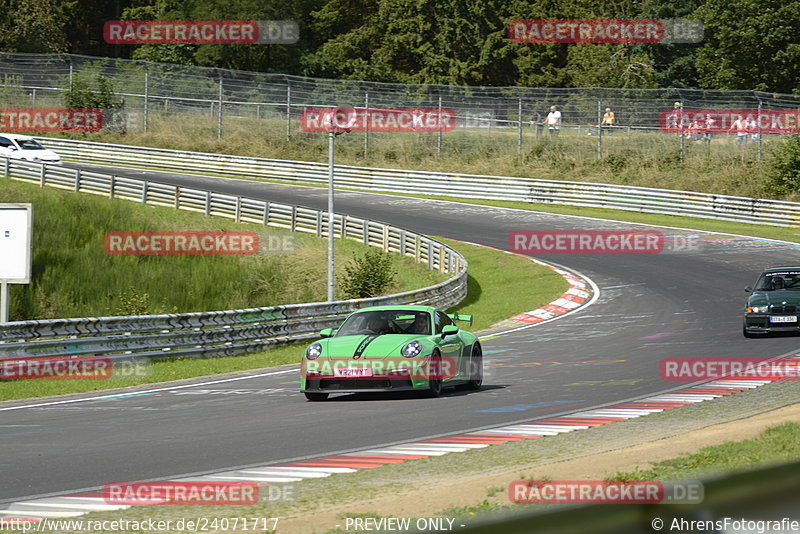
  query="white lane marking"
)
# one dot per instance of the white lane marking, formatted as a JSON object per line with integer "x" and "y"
{"x": 255, "y": 478}
{"x": 40, "y": 513}
{"x": 277, "y": 472}
{"x": 507, "y": 432}
{"x": 77, "y": 506}
{"x": 156, "y": 390}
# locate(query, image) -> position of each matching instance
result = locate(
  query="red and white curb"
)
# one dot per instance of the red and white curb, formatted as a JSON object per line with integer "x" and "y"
{"x": 75, "y": 505}
{"x": 577, "y": 295}
{"x": 581, "y": 292}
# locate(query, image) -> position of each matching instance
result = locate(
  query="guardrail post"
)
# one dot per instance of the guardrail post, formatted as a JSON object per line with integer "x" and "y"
{"x": 219, "y": 112}
{"x": 6, "y": 168}
{"x": 288, "y": 110}
{"x": 417, "y": 249}
{"x": 429, "y": 251}
{"x": 343, "y": 233}
{"x": 238, "y": 209}
{"x": 442, "y": 257}
{"x": 293, "y": 226}
{"x": 365, "y": 232}
{"x": 145, "y": 186}
{"x": 402, "y": 242}
{"x": 111, "y": 184}
{"x": 385, "y": 238}
{"x": 77, "y": 180}
{"x": 177, "y": 197}
{"x": 266, "y": 213}
{"x": 208, "y": 203}
{"x": 319, "y": 224}
{"x": 42, "y": 176}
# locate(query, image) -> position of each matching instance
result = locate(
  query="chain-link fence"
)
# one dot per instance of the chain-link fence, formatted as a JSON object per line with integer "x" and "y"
{"x": 223, "y": 101}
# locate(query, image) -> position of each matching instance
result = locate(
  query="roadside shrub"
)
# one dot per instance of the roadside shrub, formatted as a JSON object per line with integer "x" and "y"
{"x": 782, "y": 175}
{"x": 368, "y": 275}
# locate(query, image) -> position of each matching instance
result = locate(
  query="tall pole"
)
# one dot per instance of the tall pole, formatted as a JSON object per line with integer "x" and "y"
{"x": 146, "y": 94}
{"x": 288, "y": 110}
{"x": 519, "y": 124}
{"x": 759, "y": 129}
{"x": 331, "y": 137}
{"x": 599, "y": 126}
{"x": 219, "y": 111}
{"x": 366, "y": 123}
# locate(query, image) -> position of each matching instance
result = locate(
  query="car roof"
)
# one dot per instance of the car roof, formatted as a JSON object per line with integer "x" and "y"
{"x": 15, "y": 136}
{"x": 409, "y": 307}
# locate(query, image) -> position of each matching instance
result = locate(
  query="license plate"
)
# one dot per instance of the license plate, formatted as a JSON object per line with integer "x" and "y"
{"x": 351, "y": 372}
{"x": 783, "y": 319}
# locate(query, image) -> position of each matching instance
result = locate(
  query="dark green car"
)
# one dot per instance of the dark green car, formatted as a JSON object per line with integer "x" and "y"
{"x": 773, "y": 303}
{"x": 393, "y": 348}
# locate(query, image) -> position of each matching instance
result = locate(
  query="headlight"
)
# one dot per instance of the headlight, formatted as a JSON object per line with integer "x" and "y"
{"x": 758, "y": 309}
{"x": 411, "y": 349}
{"x": 313, "y": 351}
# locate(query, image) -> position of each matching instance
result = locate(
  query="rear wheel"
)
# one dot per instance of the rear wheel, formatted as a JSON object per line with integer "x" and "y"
{"x": 316, "y": 397}
{"x": 476, "y": 369}
{"x": 435, "y": 375}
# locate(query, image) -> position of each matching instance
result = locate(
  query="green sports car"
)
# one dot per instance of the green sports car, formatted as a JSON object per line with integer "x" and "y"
{"x": 773, "y": 303}
{"x": 393, "y": 348}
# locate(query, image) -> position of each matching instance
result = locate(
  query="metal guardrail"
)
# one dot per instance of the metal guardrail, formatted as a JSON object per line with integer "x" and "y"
{"x": 596, "y": 195}
{"x": 218, "y": 333}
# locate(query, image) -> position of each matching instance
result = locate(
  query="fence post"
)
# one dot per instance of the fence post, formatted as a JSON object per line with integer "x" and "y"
{"x": 266, "y": 213}
{"x": 288, "y": 110}
{"x": 42, "y": 177}
{"x": 759, "y": 129}
{"x": 111, "y": 186}
{"x": 71, "y": 74}
{"x": 33, "y": 98}
{"x": 439, "y": 139}
{"x": 599, "y": 126}
{"x": 208, "y": 203}
{"x": 519, "y": 123}
{"x": 366, "y": 123}
{"x": 145, "y": 186}
{"x": 6, "y": 168}
{"x": 219, "y": 111}
{"x": 77, "y": 180}
{"x": 146, "y": 94}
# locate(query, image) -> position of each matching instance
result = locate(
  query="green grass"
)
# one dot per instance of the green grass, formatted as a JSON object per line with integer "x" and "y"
{"x": 644, "y": 159}
{"x": 73, "y": 276}
{"x": 501, "y": 285}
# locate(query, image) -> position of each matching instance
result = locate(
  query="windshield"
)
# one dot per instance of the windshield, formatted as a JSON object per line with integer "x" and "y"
{"x": 386, "y": 322}
{"x": 29, "y": 144}
{"x": 779, "y": 281}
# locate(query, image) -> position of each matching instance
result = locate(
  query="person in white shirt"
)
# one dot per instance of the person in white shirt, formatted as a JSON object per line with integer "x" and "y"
{"x": 553, "y": 121}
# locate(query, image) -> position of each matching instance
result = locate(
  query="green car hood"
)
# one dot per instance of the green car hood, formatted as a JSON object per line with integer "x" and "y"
{"x": 369, "y": 346}
{"x": 759, "y": 298}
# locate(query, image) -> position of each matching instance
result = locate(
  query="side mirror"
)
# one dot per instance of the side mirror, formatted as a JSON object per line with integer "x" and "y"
{"x": 449, "y": 330}
{"x": 11, "y": 147}
{"x": 328, "y": 332}
{"x": 748, "y": 289}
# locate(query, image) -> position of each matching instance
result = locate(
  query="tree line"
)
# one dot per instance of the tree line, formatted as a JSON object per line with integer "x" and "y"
{"x": 748, "y": 44}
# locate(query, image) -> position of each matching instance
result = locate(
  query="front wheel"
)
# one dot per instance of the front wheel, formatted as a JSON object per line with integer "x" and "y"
{"x": 435, "y": 375}
{"x": 316, "y": 397}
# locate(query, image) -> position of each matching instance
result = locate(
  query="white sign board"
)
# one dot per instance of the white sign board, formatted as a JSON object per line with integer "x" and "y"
{"x": 16, "y": 231}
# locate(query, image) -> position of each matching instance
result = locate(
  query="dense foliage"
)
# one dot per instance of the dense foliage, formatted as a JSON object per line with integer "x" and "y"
{"x": 749, "y": 44}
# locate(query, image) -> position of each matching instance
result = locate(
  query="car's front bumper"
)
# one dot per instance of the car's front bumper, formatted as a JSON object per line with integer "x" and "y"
{"x": 330, "y": 384}
{"x": 765, "y": 324}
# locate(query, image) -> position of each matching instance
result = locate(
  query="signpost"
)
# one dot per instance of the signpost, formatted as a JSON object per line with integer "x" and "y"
{"x": 16, "y": 232}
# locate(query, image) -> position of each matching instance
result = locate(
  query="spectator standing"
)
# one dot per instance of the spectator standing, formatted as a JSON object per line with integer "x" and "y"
{"x": 609, "y": 119}
{"x": 752, "y": 127}
{"x": 740, "y": 127}
{"x": 536, "y": 122}
{"x": 711, "y": 123}
{"x": 553, "y": 121}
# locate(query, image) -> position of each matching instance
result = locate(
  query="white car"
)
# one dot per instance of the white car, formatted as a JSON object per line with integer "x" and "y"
{"x": 24, "y": 147}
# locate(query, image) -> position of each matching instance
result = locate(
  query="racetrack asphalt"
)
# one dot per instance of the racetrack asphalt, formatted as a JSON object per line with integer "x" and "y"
{"x": 682, "y": 304}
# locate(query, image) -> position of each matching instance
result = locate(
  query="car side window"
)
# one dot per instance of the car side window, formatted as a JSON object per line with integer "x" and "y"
{"x": 5, "y": 143}
{"x": 441, "y": 320}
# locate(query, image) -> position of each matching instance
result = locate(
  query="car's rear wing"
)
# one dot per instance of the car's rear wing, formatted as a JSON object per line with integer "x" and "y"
{"x": 461, "y": 317}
